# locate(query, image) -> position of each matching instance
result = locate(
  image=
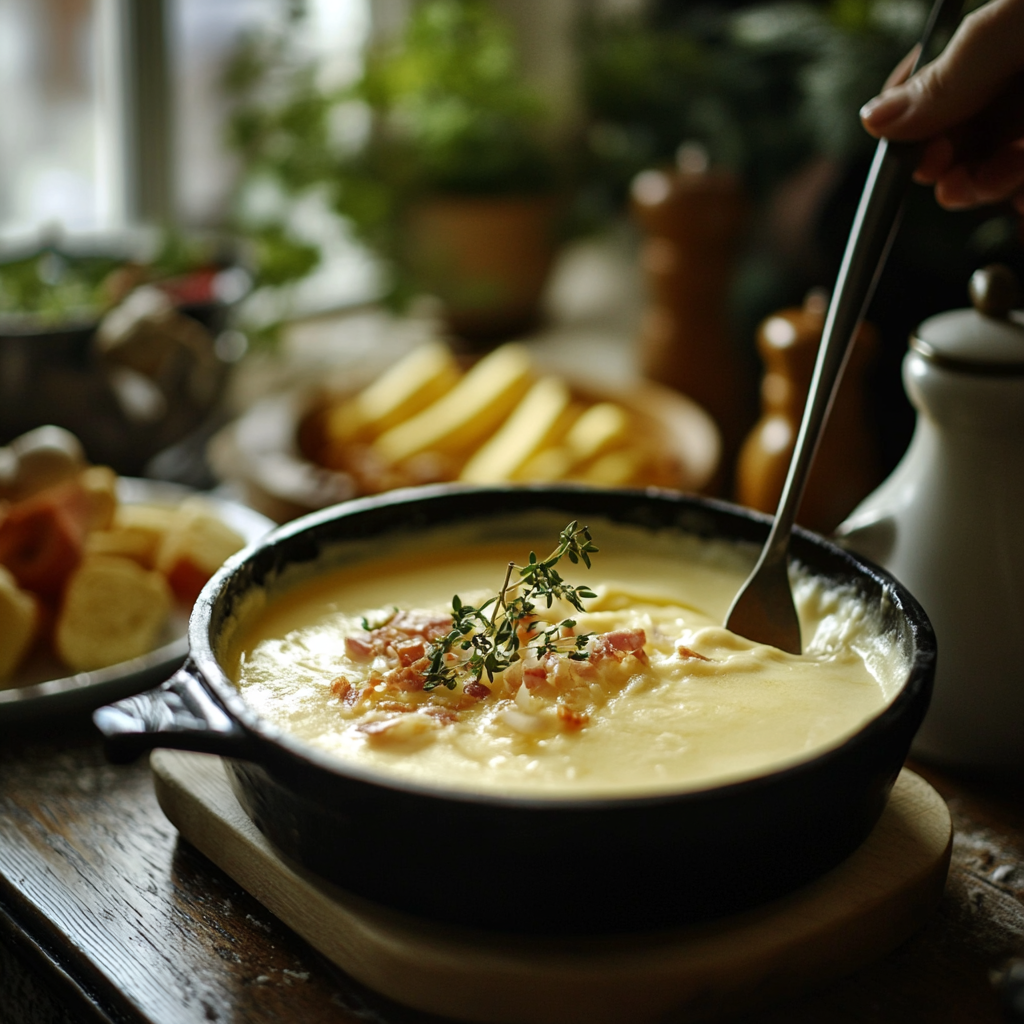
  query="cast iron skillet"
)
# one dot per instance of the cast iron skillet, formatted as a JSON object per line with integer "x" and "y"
{"x": 555, "y": 866}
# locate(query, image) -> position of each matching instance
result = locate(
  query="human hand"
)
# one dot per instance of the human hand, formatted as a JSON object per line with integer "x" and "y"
{"x": 967, "y": 105}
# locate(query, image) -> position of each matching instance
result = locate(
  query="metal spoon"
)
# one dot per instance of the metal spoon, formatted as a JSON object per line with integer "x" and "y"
{"x": 763, "y": 610}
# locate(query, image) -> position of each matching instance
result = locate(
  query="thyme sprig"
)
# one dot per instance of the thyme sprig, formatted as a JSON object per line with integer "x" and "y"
{"x": 487, "y": 639}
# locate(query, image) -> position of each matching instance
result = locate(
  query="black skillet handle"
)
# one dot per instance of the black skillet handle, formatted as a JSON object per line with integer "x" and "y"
{"x": 179, "y": 714}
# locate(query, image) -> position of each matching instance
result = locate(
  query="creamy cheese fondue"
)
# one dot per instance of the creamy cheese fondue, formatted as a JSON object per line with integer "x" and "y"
{"x": 665, "y": 699}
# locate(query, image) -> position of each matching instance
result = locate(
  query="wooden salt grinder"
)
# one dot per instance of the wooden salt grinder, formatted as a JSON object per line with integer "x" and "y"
{"x": 694, "y": 220}
{"x": 846, "y": 465}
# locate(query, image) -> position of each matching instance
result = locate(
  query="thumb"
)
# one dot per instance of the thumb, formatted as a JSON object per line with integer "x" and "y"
{"x": 984, "y": 54}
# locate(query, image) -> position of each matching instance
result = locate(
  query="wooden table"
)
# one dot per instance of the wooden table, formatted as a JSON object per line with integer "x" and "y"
{"x": 106, "y": 915}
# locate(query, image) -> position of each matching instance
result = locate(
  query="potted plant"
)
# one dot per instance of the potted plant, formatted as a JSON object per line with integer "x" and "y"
{"x": 437, "y": 158}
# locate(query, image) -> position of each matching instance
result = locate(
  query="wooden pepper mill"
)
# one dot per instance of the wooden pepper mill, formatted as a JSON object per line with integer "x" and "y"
{"x": 694, "y": 219}
{"x": 846, "y": 465}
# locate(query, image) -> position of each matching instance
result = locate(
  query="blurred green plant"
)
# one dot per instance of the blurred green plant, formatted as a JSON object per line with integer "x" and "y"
{"x": 51, "y": 286}
{"x": 843, "y": 53}
{"x": 47, "y": 288}
{"x": 442, "y": 109}
{"x": 761, "y": 89}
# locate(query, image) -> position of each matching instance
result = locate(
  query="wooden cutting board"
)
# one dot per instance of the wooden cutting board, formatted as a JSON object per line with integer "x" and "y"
{"x": 857, "y": 912}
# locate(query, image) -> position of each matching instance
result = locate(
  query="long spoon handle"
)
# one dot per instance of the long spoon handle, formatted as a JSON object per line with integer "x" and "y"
{"x": 874, "y": 229}
{"x": 871, "y": 236}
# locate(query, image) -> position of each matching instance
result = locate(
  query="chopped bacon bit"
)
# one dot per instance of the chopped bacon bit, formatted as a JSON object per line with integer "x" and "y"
{"x": 403, "y": 639}
{"x": 401, "y": 727}
{"x": 377, "y": 727}
{"x": 346, "y": 692}
{"x": 585, "y": 669}
{"x": 627, "y": 640}
{"x": 525, "y": 631}
{"x": 429, "y": 627}
{"x": 410, "y": 652}
{"x": 620, "y": 644}
{"x": 357, "y": 648}
{"x": 513, "y": 675}
{"x": 687, "y": 652}
{"x": 408, "y": 677}
{"x": 476, "y": 689}
{"x": 394, "y": 705}
{"x": 570, "y": 719}
{"x": 446, "y": 716}
{"x": 534, "y": 675}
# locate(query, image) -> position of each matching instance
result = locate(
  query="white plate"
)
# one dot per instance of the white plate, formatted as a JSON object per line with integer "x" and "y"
{"x": 37, "y": 687}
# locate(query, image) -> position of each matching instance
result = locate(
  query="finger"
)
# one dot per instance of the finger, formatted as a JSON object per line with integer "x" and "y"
{"x": 901, "y": 72}
{"x": 955, "y": 190}
{"x": 983, "y": 55}
{"x": 1001, "y": 175}
{"x": 938, "y": 156}
{"x": 988, "y": 146}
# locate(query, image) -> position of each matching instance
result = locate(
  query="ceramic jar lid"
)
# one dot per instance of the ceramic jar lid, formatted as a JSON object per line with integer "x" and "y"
{"x": 986, "y": 339}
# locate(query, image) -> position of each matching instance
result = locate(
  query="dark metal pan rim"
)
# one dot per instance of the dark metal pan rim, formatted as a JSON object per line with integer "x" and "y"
{"x": 276, "y": 739}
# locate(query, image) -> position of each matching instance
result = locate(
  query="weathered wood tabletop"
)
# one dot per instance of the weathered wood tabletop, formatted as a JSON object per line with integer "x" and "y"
{"x": 106, "y": 915}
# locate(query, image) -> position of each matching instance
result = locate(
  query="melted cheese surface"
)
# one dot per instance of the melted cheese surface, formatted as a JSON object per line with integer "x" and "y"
{"x": 697, "y": 706}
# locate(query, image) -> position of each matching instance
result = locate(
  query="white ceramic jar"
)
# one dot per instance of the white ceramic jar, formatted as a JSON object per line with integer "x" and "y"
{"x": 949, "y": 523}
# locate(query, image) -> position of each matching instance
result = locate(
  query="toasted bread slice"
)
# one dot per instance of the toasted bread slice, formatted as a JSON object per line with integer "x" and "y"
{"x": 45, "y": 457}
{"x": 19, "y": 622}
{"x": 100, "y": 486}
{"x": 137, "y": 532}
{"x": 113, "y": 610}
{"x": 194, "y": 549}
{"x": 124, "y": 542}
{"x": 41, "y": 539}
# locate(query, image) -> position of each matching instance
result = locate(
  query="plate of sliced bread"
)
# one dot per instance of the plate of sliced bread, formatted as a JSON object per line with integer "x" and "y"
{"x": 98, "y": 574}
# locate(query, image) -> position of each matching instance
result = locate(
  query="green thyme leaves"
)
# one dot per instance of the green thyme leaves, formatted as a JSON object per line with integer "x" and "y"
{"x": 486, "y": 640}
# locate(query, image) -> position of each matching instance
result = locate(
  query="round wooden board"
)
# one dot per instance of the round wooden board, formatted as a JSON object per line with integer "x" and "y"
{"x": 860, "y": 910}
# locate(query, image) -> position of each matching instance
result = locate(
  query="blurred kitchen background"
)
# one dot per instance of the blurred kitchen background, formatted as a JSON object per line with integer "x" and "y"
{"x": 208, "y": 203}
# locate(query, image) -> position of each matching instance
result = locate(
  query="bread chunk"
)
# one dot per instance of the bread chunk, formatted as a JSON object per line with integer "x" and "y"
{"x": 138, "y": 545}
{"x": 113, "y": 610}
{"x": 194, "y": 549}
{"x": 19, "y": 621}
{"x": 45, "y": 457}
{"x": 137, "y": 532}
{"x": 99, "y": 484}
{"x": 41, "y": 539}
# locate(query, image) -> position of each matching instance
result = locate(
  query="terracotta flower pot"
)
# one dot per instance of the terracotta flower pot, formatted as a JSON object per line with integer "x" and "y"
{"x": 487, "y": 260}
